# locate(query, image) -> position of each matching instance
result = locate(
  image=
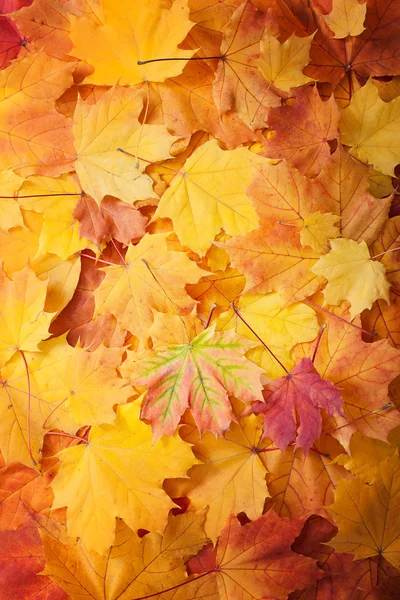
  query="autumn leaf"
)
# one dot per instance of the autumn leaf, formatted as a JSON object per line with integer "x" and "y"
{"x": 346, "y": 18}
{"x": 128, "y": 34}
{"x": 371, "y": 138}
{"x": 150, "y": 271}
{"x": 101, "y": 167}
{"x": 198, "y": 375}
{"x": 201, "y": 199}
{"x": 82, "y": 571}
{"x": 282, "y": 64}
{"x": 352, "y": 275}
{"x": 267, "y": 542}
{"x": 302, "y": 131}
{"x": 367, "y": 516}
{"x": 291, "y": 406}
{"x": 230, "y": 466}
{"x": 23, "y": 322}
{"x": 118, "y": 473}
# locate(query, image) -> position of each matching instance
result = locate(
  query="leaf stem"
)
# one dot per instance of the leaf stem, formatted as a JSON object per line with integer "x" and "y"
{"x": 53, "y": 411}
{"x": 386, "y": 252}
{"x": 373, "y": 412}
{"x": 321, "y": 331}
{"x": 69, "y": 435}
{"x": 28, "y": 408}
{"x": 153, "y": 60}
{"x": 328, "y": 312}
{"x": 260, "y": 339}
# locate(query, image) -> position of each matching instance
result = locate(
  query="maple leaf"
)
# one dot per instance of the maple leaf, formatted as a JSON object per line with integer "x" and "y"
{"x": 87, "y": 382}
{"x": 55, "y": 200}
{"x": 201, "y": 199}
{"x": 302, "y": 131}
{"x": 291, "y": 406}
{"x": 101, "y": 130}
{"x": 265, "y": 545}
{"x": 369, "y": 125}
{"x": 358, "y": 279}
{"x": 282, "y": 64}
{"x": 239, "y": 85}
{"x": 11, "y": 42}
{"x": 346, "y": 18}
{"x": 366, "y": 514}
{"x": 301, "y": 485}
{"x": 232, "y": 477}
{"x": 51, "y": 31}
{"x": 273, "y": 260}
{"x": 22, "y": 320}
{"x": 151, "y": 277}
{"x": 199, "y": 374}
{"x": 128, "y": 36}
{"x": 363, "y": 381}
{"x": 21, "y": 563}
{"x": 118, "y": 473}
{"x": 38, "y": 139}
{"x": 19, "y": 245}
{"x": 344, "y": 186}
{"x": 318, "y": 229}
{"x": 82, "y": 571}
{"x": 366, "y": 454}
{"x": 266, "y": 319}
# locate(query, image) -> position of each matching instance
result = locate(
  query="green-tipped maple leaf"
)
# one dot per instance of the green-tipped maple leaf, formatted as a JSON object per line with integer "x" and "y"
{"x": 200, "y": 374}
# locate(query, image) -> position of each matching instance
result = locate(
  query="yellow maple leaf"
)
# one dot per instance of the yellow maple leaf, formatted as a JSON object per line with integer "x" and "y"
{"x": 369, "y": 125}
{"x": 232, "y": 476}
{"x": 23, "y": 323}
{"x": 110, "y": 125}
{"x": 317, "y": 229}
{"x": 352, "y": 275}
{"x": 368, "y": 516}
{"x": 55, "y": 200}
{"x": 134, "y": 567}
{"x": 10, "y": 215}
{"x": 208, "y": 194}
{"x": 87, "y": 382}
{"x": 25, "y": 407}
{"x": 62, "y": 277}
{"x": 119, "y": 473}
{"x": 133, "y": 32}
{"x": 346, "y": 18}
{"x": 19, "y": 245}
{"x": 282, "y": 64}
{"x": 282, "y": 327}
{"x": 366, "y": 456}
{"x": 153, "y": 277}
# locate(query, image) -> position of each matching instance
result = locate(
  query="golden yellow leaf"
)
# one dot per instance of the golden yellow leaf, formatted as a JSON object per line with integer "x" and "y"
{"x": 10, "y": 215}
{"x": 119, "y": 473}
{"x": 367, "y": 515}
{"x": 55, "y": 200}
{"x": 87, "y": 383}
{"x": 232, "y": 476}
{"x": 208, "y": 194}
{"x": 132, "y": 32}
{"x": 370, "y": 126}
{"x": 133, "y": 568}
{"x": 346, "y": 18}
{"x": 281, "y": 327}
{"x": 19, "y": 245}
{"x": 62, "y": 276}
{"x": 365, "y": 456}
{"x": 282, "y": 64}
{"x": 317, "y": 229}
{"x": 352, "y": 275}
{"x": 24, "y": 408}
{"x": 153, "y": 277}
{"x": 23, "y": 323}
{"x": 110, "y": 125}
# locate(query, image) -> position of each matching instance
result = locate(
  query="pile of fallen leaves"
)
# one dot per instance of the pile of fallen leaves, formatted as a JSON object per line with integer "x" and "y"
{"x": 200, "y": 300}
